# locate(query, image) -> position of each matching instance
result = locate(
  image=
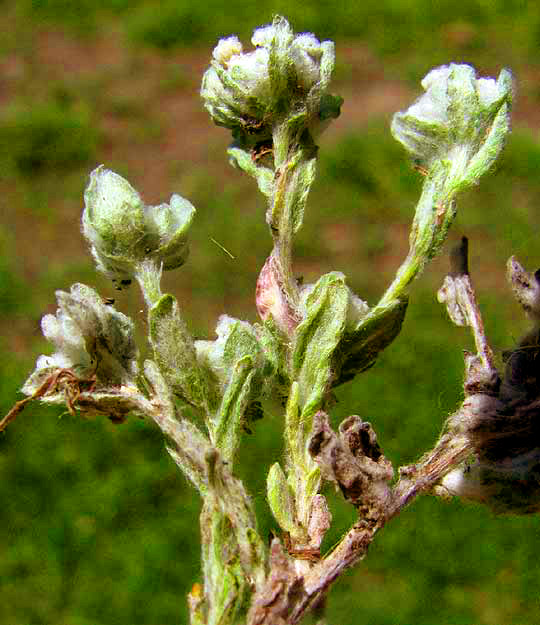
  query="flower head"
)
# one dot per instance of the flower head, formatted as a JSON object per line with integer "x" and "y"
{"x": 123, "y": 231}
{"x": 284, "y": 74}
{"x": 90, "y": 337}
{"x": 460, "y": 118}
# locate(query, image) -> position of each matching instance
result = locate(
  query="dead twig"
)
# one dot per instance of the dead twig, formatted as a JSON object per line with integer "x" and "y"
{"x": 61, "y": 380}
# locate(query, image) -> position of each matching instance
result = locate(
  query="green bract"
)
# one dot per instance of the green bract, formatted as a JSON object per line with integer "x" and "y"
{"x": 123, "y": 231}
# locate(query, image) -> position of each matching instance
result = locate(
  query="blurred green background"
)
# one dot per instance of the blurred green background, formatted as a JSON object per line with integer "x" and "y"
{"x": 97, "y": 525}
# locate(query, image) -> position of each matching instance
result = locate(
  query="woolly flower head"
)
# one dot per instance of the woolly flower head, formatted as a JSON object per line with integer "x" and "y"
{"x": 459, "y": 118}
{"x": 123, "y": 231}
{"x": 284, "y": 73}
{"x": 90, "y": 337}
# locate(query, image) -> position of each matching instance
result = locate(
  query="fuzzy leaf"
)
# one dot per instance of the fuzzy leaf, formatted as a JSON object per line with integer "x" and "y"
{"x": 300, "y": 185}
{"x": 286, "y": 212}
{"x": 271, "y": 343}
{"x": 175, "y": 353}
{"x": 239, "y": 364}
{"x": 263, "y": 175}
{"x": 233, "y": 408}
{"x": 225, "y": 581}
{"x": 374, "y": 333}
{"x": 281, "y": 501}
{"x": 317, "y": 338}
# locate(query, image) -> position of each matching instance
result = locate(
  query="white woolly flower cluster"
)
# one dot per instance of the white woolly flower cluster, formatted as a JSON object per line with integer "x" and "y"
{"x": 459, "y": 117}
{"x": 90, "y": 337}
{"x": 244, "y": 91}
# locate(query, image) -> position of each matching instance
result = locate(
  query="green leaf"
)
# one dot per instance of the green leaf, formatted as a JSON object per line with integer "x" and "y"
{"x": 373, "y": 334}
{"x": 299, "y": 186}
{"x": 190, "y": 445}
{"x": 239, "y": 364}
{"x": 243, "y": 159}
{"x": 175, "y": 354}
{"x": 233, "y": 408}
{"x": 313, "y": 483}
{"x": 295, "y": 435}
{"x": 271, "y": 343}
{"x": 281, "y": 501}
{"x": 317, "y": 338}
{"x": 241, "y": 342}
{"x": 225, "y": 580}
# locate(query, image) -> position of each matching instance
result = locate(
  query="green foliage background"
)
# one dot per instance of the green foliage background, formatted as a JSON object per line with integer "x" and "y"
{"x": 97, "y": 526}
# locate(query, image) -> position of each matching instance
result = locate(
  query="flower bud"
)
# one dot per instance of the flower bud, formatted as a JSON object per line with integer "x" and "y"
{"x": 123, "y": 231}
{"x": 285, "y": 74}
